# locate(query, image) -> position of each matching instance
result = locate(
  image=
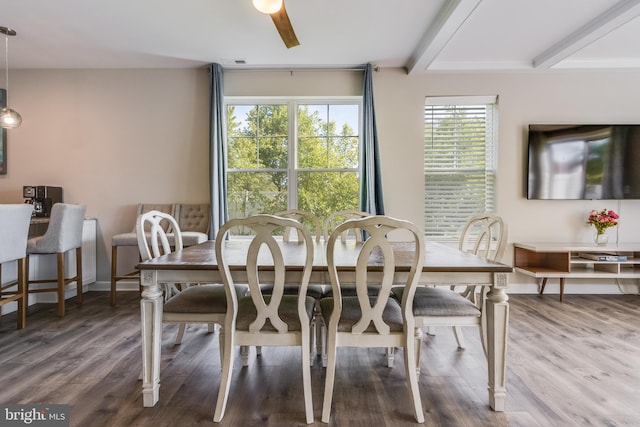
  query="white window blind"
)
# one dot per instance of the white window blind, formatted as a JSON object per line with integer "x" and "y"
{"x": 459, "y": 162}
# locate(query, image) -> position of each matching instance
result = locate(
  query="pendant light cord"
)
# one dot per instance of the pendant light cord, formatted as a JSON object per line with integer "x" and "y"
{"x": 6, "y": 62}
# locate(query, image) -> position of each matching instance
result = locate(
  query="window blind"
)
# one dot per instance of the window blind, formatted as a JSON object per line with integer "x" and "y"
{"x": 459, "y": 162}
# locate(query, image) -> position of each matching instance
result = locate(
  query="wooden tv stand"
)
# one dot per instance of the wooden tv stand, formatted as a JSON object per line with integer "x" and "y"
{"x": 563, "y": 261}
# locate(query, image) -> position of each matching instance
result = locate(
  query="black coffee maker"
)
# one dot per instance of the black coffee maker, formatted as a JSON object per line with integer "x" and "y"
{"x": 42, "y": 198}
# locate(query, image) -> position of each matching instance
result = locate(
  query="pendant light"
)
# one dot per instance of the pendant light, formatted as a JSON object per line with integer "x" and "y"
{"x": 267, "y": 6}
{"x": 9, "y": 118}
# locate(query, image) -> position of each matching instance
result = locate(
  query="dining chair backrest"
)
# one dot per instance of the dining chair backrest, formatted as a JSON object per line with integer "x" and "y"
{"x": 151, "y": 234}
{"x": 336, "y": 218}
{"x": 264, "y": 250}
{"x": 484, "y": 235}
{"x": 14, "y": 229}
{"x": 378, "y": 254}
{"x": 307, "y": 218}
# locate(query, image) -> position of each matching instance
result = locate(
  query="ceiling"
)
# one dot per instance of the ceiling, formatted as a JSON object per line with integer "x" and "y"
{"x": 420, "y": 35}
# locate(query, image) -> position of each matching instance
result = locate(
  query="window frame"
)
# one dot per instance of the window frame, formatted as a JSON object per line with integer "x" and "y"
{"x": 293, "y": 102}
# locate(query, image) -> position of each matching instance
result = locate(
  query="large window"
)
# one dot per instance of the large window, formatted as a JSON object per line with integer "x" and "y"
{"x": 292, "y": 154}
{"x": 459, "y": 162}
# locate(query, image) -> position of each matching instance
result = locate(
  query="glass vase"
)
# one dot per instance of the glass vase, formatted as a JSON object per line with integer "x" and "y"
{"x": 601, "y": 239}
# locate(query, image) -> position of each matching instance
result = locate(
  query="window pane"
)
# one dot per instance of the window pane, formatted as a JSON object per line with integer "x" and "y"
{"x": 313, "y": 153}
{"x": 312, "y": 120}
{"x": 257, "y": 136}
{"x": 250, "y": 193}
{"x": 325, "y": 192}
{"x": 273, "y": 120}
{"x": 241, "y": 120}
{"x": 344, "y": 152}
{"x": 343, "y": 120}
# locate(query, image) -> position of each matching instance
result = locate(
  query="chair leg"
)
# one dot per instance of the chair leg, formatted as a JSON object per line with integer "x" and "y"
{"x": 114, "y": 268}
{"x": 457, "y": 330}
{"x": 329, "y": 378}
{"x": 306, "y": 380}
{"x": 225, "y": 377}
{"x": 244, "y": 352}
{"x": 181, "y": 329}
{"x": 61, "y": 274}
{"x": 411, "y": 367}
{"x": 22, "y": 302}
{"x": 390, "y": 356}
{"x": 418, "y": 348}
{"x": 79, "y": 275}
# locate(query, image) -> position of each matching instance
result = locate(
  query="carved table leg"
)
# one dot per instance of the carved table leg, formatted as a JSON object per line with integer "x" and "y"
{"x": 151, "y": 322}
{"x": 497, "y": 318}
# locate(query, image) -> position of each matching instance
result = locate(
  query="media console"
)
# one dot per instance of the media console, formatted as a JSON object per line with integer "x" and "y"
{"x": 566, "y": 261}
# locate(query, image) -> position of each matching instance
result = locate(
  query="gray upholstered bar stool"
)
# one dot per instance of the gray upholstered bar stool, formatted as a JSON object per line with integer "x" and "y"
{"x": 14, "y": 229}
{"x": 63, "y": 235}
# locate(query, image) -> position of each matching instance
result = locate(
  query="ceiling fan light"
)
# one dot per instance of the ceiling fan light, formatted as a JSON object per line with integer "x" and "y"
{"x": 268, "y": 6}
{"x": 9, "y": 118}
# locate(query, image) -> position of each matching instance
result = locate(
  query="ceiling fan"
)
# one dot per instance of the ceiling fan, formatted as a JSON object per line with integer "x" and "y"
{"x": 278, "y": 13}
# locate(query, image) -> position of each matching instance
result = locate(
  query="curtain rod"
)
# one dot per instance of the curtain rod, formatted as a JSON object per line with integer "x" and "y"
{"x": 239, "y": 68}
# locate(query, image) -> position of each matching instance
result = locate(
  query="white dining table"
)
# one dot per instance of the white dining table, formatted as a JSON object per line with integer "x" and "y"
{"x": 443, "y": 265}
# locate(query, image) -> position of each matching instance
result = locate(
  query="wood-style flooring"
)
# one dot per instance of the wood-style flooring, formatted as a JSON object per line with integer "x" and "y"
{"x": 569, "y": 364}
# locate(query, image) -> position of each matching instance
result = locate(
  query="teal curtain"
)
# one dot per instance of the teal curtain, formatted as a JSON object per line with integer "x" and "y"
{"x": 370, "y": 176}
{"x": 217, "y": 152}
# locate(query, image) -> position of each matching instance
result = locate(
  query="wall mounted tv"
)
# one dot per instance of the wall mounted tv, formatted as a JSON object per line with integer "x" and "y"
{"x": 591, "y": 162}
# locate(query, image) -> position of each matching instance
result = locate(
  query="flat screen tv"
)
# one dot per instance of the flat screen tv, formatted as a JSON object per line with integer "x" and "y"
{"x": 591, "y": 162}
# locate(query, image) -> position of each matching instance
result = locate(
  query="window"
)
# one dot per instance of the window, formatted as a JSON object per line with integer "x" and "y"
{"x": 459, "y": 162}
{"x": 292, "y": 154}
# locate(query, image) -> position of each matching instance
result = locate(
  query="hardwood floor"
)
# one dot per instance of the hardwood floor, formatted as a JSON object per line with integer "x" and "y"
{"x": 570, "y": 364}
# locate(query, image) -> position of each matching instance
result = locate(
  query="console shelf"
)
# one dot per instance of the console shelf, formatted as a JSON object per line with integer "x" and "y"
{"x": 563, "y": 261}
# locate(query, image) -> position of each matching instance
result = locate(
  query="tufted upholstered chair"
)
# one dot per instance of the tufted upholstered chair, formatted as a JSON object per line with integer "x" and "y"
{"x": 194, "y": 220}
{"x": 63, "y": 234}
{"x": 14, "y": 229}
{"x": 129, "y": 239}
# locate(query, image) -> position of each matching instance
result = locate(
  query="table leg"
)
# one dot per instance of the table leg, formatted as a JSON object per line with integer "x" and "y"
{"x": 497, "y": 318}
{"x": 542, "y": 285}
{"x": 151, "y": 325}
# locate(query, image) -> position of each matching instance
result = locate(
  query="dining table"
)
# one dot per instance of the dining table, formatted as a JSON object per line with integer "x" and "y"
{"x": 443, "y": 266}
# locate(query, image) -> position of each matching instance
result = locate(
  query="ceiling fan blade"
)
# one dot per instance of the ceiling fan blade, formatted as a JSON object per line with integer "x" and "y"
{"x": 283, "y": 25}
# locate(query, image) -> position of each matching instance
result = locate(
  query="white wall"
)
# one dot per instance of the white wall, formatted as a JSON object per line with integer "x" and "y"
{"x": 113, "y": 138}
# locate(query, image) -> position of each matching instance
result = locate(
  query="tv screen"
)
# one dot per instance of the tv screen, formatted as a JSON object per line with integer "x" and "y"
{"x": 572, "y": 162}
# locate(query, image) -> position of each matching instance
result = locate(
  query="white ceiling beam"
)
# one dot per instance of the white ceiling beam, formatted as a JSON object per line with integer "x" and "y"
{"x": 621, "y": 13}
{"x": 449, "y": 19}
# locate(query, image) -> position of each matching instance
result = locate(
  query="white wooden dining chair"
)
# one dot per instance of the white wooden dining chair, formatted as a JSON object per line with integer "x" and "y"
{"x": 205, "y": 303}
{"x": 307, "y": 218}
{"x": 315, "y": 290}
{"x": 374, "y": 321}
{"x": 337, "y": 218}
{"x": 484, "y": 235}
{"x": 265, "y": 320}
